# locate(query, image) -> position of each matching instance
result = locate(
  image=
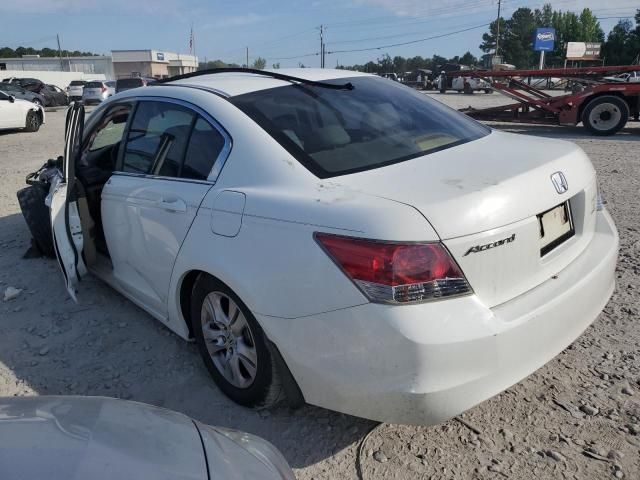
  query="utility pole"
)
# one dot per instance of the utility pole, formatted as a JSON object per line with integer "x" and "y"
{"x": 498, "y": 28}
{"x": 321, "y": 46}
{"x": 60, "y": 53}
{"x": 247, "y": 57}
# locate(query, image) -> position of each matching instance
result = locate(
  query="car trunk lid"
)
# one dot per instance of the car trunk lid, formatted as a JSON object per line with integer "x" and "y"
{"x": 484, "y": 198}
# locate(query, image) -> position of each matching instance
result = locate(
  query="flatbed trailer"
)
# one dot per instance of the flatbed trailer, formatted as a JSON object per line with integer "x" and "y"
{"x": 603, "y": 107}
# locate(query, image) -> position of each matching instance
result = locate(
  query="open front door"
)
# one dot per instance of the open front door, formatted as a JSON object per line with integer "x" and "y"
{"x": 65, "y": 219}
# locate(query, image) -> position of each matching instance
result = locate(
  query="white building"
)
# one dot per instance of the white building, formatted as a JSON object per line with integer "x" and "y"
{"x": 151, "y": 63}
{"x": 120, "y": 64}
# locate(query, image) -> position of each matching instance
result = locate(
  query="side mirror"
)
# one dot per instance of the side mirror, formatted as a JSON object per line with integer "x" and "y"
{"x": 12, "y": 98}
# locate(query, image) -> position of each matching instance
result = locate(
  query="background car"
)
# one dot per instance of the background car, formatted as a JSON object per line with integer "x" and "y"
{"x": 79, "y": 438}
{"x": 630, "y": 77}
{"x": 19, "y": 114}
{"x": 31, "y": 84}
{"x": 18, "y": 92}
{"x": 95, "y": 92}
{"x": 123, "y": 84}
{"x": 75, "y": 88}
{"x": 54, "y": 96}
{"x": 111, "y": 85}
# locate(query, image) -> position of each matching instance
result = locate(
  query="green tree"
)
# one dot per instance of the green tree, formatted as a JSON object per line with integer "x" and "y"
{"x": 276, "y": 66}
{"x": 488, "y": 44}
{"x": 619, "y": 47}
{"x": 259, "y": 63}
{"x": 518, "y": 44}
{"x": 468, "y": 59}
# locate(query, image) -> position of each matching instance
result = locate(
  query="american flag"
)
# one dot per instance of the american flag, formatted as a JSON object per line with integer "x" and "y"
{"x": 191, "y": 42}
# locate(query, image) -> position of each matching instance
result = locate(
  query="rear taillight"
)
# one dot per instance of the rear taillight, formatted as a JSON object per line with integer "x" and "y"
{"x": 392, "y": 272}
{"x": 104, "y": 89}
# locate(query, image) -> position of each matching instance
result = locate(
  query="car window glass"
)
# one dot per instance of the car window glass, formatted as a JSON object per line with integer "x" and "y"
{"x": 205, "y": 146}
{"x": 339, "y": 131}
{"x": 157, "y": 139}
{"x": 111, "y": 129}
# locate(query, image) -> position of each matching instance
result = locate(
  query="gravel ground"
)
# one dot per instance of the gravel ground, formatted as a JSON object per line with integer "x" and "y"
{"x": 577, "y": 417}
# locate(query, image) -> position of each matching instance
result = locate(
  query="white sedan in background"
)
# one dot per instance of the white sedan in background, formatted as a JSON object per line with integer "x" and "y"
{"x": 18, "y": 114}
{"x": 336, "y": 237}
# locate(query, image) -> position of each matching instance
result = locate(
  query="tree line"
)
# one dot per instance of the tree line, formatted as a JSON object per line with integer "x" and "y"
{"x": 7, "y": 52}
{"x": 620, "y": 46}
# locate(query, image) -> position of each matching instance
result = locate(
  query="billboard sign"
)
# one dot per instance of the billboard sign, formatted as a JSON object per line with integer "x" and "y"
{"x": 583, "y": 51}
{"x": 544, "y": 39}
{"x": 160, "y": 56}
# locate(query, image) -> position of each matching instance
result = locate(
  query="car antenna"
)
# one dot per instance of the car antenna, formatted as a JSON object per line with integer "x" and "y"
{"x": 266, "y": 73}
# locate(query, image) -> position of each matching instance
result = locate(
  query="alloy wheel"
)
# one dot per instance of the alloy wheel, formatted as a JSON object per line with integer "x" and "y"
{"x": 229, "y": 339}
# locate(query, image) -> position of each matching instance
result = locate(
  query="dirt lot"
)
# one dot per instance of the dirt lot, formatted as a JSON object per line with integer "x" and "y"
{"x": 578, "y": 417}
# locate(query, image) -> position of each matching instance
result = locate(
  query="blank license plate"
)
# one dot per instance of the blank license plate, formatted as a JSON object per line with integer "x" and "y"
{"x": 556, "y": 226}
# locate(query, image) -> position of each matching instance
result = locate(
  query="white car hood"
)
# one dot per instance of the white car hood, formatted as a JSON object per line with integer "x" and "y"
{"x": 80, "y": 438}
{"x": 484, "y": 184}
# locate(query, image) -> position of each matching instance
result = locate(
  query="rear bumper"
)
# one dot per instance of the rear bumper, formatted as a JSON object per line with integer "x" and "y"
{"x": 423, "y": 364}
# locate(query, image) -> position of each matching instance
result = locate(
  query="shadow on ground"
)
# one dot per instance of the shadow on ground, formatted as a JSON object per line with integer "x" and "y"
{"x": 104, "y": 345}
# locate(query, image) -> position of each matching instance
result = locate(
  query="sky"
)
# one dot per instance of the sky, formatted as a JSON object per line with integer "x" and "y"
{"x": 281, "y": 31}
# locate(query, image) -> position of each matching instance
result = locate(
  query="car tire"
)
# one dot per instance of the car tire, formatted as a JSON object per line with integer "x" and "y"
{"x": 255, "y": 381}
{"x": 36, "y": 215}
{"x": 488, "y": 91}
{"x": 32, "y": 122}
{"x": 605, "y": 115}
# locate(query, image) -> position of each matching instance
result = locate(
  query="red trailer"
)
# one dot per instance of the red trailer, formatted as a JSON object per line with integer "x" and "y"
{"x": 601, "y": 105}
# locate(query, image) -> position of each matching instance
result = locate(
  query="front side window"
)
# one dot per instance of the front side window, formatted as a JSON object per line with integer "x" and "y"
{"x": 377, "y": 123}
{"x": 110, "y": 130}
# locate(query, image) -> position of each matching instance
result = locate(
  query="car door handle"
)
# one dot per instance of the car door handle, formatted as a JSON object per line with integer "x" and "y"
{"x": 172, "y": 205}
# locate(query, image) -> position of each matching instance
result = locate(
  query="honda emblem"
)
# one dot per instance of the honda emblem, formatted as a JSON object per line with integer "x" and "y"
{"x": 560, "y": 182}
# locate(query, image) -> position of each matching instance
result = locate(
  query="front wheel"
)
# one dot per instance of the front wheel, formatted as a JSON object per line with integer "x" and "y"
{"x": 233, "y": 346}
{"x": 32, "y": 122}
{"x": 605, "y": 115}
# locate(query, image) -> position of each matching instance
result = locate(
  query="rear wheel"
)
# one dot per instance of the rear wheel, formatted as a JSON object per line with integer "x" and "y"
{"x": 32, "y": 123}
{"x": 605, "y": 115}
{"x": 233, "y": 346}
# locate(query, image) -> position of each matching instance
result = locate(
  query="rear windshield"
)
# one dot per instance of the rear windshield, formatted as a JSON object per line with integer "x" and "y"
{"x": 129, "y": 83}
{"x": 93, "y": 85}
{"x": 77, "y": 83}
{"x": 377, "y": 123}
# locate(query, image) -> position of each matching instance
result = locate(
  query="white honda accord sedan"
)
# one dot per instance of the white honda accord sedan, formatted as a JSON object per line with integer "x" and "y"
{"x": 336, "y": 237}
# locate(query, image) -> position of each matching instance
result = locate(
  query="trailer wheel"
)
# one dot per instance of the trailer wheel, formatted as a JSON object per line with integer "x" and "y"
{"x": 605, "y": 115}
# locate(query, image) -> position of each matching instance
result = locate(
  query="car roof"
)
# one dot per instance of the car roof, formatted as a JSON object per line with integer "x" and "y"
{"x": 238, "y": 83}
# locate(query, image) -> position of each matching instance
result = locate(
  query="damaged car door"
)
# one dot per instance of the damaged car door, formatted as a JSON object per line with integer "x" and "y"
{"x": 150, "y": 202}
{"x": 63, "y": 203}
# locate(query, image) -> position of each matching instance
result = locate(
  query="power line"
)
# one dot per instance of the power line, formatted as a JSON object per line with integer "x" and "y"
{"x": 380, "y": 47}
{"x": 296, "y": 56}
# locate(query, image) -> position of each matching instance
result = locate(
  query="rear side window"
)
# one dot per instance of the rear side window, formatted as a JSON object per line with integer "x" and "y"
{"x": 339, "y": 131}
{"x": 170, "y": 140}
{"x": 205, "y": 146}
{"x": 157, "y": 139}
